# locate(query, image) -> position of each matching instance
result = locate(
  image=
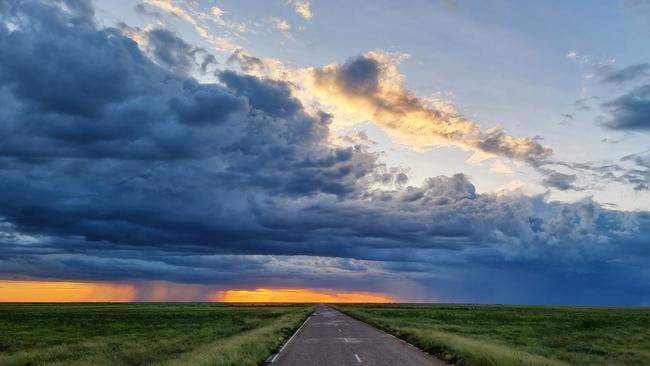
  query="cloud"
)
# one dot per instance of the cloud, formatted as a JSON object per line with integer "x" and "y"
{"x": 422, "y": 123}
{"x": 639, "y": 175}
{"x": 303, "y": 8}
{"x": 560, "y": 181}
{"x": 175, "y": 54}
{"x": 370, "y": 86}
{"x": 280, "y": 24}
{"x": 577, "y": 57}
{"x": 627, "y": 74}
{"x": 157, "y": 17}
{"x": 631, "y": 170}
{"x": 176, "y": 10}
{"x": 630, "y": 111}
{"x": 201, "y": 20}
{"x": 216, "y": 16}
{"x": 130, "y": 170}
{"x": 217, "y": 12}
{"x": 248, "y": 63}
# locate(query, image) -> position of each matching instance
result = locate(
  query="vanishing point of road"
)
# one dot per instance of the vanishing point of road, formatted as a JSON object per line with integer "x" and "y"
{"x": 330, "y": 338}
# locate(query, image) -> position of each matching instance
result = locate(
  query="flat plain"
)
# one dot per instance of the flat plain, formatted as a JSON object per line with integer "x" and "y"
{"x": 478, "y": 335}
{"x": 144, "y": 334}
{"x": 245, "y": 334}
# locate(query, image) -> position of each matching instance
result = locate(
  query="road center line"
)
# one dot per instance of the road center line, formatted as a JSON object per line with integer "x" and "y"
{"x": 357, "y": 357}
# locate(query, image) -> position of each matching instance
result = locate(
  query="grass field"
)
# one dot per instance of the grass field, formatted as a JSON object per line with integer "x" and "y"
{"x": 144, "y": 334}
{"x": 473, "y": 335}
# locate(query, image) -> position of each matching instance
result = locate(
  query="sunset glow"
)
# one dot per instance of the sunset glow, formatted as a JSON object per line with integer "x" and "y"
{"x": 67, "y": 291}
{"x": 55, "y": 291}
{"x": 300, "y": 295}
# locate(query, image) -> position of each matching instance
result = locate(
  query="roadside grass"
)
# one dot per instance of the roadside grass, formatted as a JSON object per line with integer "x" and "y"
{"x": 482, "y": 335}
{"x": 144, "y": 334}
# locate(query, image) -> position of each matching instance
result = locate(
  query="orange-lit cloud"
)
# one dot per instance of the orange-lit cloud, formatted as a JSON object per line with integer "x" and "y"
{"x": 371, "y": 88}
{"x": 300, "y": 295}
{"x": 303, "y": 8}
{"x": 58, "y": 291}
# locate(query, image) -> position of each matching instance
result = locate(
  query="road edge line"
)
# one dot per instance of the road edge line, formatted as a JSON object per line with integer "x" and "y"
{"x": 445, "y": 362}
{"x": 273, "y": 357}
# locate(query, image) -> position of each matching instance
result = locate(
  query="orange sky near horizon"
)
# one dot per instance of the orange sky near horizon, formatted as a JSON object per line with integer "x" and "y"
{"x": 72, "y": 291}
{"x": 65, "y": 291}
{"x": 301, "y": 295}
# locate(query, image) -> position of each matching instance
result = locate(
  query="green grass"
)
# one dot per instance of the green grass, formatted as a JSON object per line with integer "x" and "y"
{"x": 144, "y": 334}
{"x": 478, "y": 335}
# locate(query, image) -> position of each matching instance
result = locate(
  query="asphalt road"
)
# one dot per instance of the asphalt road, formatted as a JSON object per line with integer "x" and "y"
{"x": 330, "y": 338}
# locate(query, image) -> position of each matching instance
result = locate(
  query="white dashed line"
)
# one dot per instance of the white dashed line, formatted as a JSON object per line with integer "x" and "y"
{"x": 346, "y": 340}
{"x": 357, "y": 357}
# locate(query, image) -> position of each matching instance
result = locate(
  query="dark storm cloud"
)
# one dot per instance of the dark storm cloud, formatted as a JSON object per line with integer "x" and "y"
{"x": 272, "y": 97}
{"x": 630, "y": 111}
{"x": 131, "y": 138}
{"x": 176, "y": 54}
{"x": 117, "y": 167}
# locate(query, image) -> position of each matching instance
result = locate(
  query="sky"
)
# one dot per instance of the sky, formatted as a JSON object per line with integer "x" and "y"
{"x": 303, "y": 150}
